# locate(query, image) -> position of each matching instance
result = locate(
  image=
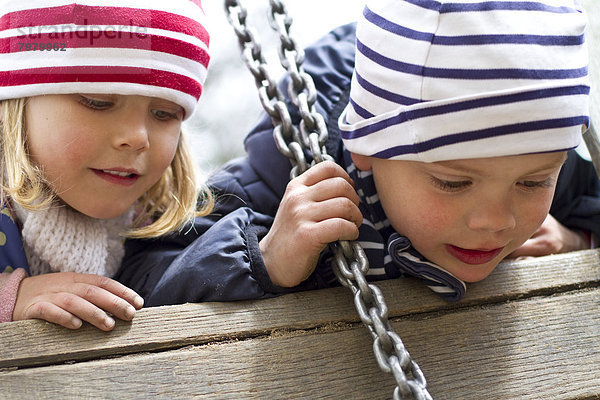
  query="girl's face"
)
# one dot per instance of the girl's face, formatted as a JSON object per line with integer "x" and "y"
{"x": 100, "y": 153}
{"x": 467, "y": 215}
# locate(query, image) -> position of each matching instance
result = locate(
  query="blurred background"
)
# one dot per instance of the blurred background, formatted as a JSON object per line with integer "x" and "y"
{"x": 229, "y": 106}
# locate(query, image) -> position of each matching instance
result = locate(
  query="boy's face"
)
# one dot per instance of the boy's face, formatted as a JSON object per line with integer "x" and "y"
{"x": 466, "y": 215}
{"x": 101, "y": 153}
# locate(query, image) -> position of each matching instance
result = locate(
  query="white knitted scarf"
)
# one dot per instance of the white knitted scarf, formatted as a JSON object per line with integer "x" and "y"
{"x": 61, "y": 239}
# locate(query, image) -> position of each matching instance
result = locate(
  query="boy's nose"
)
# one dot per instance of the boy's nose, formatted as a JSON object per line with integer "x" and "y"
{"x": 494, "y": 216}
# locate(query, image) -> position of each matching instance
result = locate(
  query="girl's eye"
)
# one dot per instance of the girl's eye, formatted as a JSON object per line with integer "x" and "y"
{"x": 95, "y": 104}
{"x": 450, "y": 186}
{"x": 162, "y": 115}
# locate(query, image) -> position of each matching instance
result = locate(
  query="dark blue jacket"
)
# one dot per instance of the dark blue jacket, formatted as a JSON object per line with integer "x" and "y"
{"x": 218, "y": 258}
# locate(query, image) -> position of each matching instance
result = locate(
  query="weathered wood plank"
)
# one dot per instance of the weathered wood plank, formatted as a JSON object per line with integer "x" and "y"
{"x": 544, "y": 348}
{"x": 158, "y": 328}
{"x": 539, "y": 348}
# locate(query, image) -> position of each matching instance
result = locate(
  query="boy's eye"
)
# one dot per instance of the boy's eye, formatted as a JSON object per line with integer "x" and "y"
{"x": 450, "y": 186}
{"x": 95, "y": 104}
{"x": 165, "y": 115}
{"x": 536, "y": 184}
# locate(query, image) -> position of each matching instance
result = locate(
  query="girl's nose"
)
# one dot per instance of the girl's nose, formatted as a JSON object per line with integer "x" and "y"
{"x": 492, "y": 216}
{"x": 132, "y": 134}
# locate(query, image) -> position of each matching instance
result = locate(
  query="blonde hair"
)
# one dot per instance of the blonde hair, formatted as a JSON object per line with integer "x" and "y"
{"x": 172, "y": 202}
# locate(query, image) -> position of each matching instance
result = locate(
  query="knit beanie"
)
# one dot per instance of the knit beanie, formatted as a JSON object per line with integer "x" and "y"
{"x": 441, "y": 80}
{"x": 155, "y": 48}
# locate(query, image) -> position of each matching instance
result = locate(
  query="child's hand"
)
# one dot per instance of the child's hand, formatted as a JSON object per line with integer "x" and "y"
{"x": 551, "y": 238}
{"x": 67, "y": 298}
{"x": 318, "y": 207}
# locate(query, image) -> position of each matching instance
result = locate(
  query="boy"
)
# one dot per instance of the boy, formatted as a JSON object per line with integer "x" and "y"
{"x": 453, "y": 127}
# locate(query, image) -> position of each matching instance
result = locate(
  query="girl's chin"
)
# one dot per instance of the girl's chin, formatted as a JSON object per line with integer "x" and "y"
{"x": 102, "y": 212}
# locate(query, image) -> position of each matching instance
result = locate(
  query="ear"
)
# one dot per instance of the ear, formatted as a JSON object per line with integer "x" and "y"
{"x": 364, "y": 163}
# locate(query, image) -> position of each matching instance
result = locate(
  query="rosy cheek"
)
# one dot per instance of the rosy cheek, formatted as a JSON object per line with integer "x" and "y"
{"x": 67, "y": 142}
{"x": 74, "y": 152}
{"x": 534, "y": 221}
{"x": 537, "y": 211}
{"x": 167, "y": 150}
{"x": 423, "y": 219}
{"x": 165, "y": 158}
{"x": 433, "y": 211}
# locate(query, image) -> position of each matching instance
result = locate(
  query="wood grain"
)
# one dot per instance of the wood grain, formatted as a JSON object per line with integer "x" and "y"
{"x": 540, "y": 348}
{"x": 167, "y": 327}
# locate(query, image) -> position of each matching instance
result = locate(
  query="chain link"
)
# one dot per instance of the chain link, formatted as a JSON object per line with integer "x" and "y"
{"x": 351, "y": 264}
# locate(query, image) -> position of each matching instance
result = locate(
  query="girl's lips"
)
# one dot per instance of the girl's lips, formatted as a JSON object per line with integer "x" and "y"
{"x": 123, "y": 178}
{"x": 473, "y": 257}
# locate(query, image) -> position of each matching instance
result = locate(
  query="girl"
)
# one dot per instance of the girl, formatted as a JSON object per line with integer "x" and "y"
{"x": 93, "y": 99}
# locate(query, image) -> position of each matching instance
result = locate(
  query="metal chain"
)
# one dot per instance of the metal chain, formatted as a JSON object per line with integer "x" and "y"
{"x": 592, "y": 142}
{"x": 351, "y": 264}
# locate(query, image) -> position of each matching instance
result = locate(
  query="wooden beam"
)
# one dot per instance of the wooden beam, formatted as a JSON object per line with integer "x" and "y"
{"x": 539, "y": 348}
{"x": 32, "y": 343}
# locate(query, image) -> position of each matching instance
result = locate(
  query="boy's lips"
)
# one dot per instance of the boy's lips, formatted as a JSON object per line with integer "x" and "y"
{"x": 119, "y": 176}
{"x": 473, "y": 257}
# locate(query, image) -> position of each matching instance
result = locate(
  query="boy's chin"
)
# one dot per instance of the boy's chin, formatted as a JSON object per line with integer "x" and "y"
{"x": 472, "y": 273}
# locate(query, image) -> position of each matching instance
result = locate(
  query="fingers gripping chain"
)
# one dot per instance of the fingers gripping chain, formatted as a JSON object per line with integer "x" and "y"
{"x": 351, "y": 264}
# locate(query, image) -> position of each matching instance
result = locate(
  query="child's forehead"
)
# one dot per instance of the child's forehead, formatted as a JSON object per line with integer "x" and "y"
{"x": 527, "y": 163}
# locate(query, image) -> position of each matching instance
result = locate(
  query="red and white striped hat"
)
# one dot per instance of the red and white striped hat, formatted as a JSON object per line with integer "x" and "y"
{"x": 155, "y": 48}
{"x": 453, "y": 79}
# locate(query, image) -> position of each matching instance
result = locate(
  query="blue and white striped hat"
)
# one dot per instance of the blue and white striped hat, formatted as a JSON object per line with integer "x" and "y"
{"x": 441, "y": 80}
